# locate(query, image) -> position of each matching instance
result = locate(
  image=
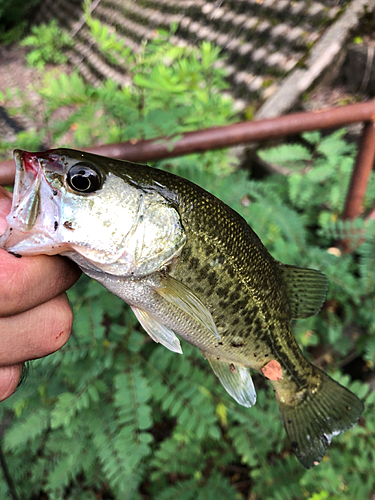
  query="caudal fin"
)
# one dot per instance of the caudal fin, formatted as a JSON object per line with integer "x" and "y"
{"x": 325, "y": 411}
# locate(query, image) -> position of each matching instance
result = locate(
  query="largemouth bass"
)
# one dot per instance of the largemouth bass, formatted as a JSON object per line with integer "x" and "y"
{"x": 188, "y": 265}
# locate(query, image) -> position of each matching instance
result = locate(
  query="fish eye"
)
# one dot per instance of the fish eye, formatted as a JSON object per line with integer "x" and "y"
{"x": 83, "y": 178}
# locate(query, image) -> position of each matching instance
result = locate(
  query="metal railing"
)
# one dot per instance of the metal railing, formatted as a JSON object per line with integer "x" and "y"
{"x": 254, "y": 131}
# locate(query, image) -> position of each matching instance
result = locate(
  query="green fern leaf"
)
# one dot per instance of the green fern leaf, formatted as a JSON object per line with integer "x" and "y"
{"x": 26, "y": 430}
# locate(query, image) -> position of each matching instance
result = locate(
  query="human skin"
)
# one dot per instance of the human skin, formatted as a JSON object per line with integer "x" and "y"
{"x": 35, "y": 315}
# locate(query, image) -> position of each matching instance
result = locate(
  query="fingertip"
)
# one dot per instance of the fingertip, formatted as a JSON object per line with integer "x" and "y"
{"x": 59, "y": 330}
{"x": 35, "y": 333}
{"x": 9, "y": 379}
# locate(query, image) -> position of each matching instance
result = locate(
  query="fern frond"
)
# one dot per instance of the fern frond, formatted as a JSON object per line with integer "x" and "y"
{"x": 293, "y": 156}
{"x": 181, "y": 392}
{"x": 176, "y": 456}
{"x": 337, "y": 229}
{"x": 273, "y": 481}
{"x": 27, "y": 429}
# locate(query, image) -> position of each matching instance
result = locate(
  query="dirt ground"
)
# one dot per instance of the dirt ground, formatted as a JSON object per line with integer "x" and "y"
{"x": 15, "y": 74}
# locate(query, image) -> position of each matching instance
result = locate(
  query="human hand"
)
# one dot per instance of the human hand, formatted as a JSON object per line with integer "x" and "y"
{"x": 35, "y": 315}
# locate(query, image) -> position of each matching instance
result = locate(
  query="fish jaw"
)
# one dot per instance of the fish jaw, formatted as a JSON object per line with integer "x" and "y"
{"x": 31, "y": 226}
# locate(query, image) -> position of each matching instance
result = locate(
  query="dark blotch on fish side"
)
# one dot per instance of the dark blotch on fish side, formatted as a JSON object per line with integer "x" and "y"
{"x": 194, "y": 263}
{"x": 241, "y": 304}
{"x": 212, "y": 279}
{"x": 56, "y": 225}
{"x": 231, "y": 272}
{"x": 234, "y": 296}
{"x": 222, "y": 291}
{"x": 206, "y": 269}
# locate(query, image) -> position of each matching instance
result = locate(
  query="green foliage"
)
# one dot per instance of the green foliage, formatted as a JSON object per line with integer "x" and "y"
{"x": 316, "y": 193}
{"x": 170, "y": 90}
{"x": 319, "y": 173}
{"x": 48, "y": 42}
{"x": 13, "y": 18}
{"x": 113, "y": 415}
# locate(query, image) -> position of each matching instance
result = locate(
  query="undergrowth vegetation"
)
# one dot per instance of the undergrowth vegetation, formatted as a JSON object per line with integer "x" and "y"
{"x": 113, "y": 415}
{"x": 14, "y": 15}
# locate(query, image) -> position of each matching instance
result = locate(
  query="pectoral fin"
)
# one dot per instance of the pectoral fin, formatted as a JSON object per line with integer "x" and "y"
{"x": 157, "y": 331}
{"x": 236, "y": 380}
{"x": 185, "y": 299}
{"x": 306, "y": 289}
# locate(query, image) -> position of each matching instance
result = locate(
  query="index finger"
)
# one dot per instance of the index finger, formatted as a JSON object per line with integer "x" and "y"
{"x": 30, "y": 281}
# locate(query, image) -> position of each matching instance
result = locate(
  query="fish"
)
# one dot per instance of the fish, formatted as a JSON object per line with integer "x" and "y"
{"x": 190, "y": 267}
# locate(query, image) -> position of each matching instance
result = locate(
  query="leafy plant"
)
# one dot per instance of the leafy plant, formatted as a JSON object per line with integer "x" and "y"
{"x": 48, "y": 42}
{"x": 170, "y": 90}
{"x": 13, "y": 18}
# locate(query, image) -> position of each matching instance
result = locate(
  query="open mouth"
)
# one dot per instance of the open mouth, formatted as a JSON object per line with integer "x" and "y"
{"x": 27, "y": 162}
{"x": 35, "y": 210}
{"x": 26, "y": 189}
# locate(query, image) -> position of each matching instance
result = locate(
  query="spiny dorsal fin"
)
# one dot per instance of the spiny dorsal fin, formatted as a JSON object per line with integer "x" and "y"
{"x": 185, "y": 299}
{"x": 157, "y": 331}
{"x": 236, "y": 380}
{"x": 306, "y": 289}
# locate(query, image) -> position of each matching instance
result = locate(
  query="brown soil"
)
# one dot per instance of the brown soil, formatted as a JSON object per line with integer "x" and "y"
{"x": 15, "y": 74}
{"x": 24, "y": 110}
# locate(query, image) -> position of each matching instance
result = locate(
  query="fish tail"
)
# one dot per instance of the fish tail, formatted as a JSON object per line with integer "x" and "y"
{"x": 325, "y": 410}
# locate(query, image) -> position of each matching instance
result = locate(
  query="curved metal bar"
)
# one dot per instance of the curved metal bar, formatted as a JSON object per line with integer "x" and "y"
{"x": 226, "y": 136}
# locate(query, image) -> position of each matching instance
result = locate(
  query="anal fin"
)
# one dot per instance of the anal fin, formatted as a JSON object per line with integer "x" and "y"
{"x": 157, "y": 331}
{"x": 236, "y": 380}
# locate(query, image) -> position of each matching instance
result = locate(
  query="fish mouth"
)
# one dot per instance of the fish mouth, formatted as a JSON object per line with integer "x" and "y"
{"x": 26, "y": 199}
{"x": 25, "y": 203}
{"x": 28, "y": 222}
{"x": 26, "y": 162}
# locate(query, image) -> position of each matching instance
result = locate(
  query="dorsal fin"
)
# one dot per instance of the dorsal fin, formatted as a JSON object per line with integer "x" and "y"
{"x": 306, "y": 290}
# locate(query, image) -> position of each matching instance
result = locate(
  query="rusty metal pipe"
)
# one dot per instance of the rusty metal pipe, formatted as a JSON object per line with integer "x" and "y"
{"x": 226, "y": 136}
{"x": 237, "y": 133}
{"x": 361, "y": 172}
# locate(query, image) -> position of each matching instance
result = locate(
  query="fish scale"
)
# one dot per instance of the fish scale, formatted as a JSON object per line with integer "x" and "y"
{"x": 189, "y": 266}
